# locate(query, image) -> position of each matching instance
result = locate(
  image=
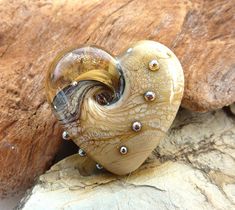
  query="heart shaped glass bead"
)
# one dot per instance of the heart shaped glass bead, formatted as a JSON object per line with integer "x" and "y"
{"x": 116, "y": 109}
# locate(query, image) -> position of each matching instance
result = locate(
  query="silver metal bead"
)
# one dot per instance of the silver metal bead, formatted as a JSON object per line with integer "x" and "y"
{"x": 81, "y": 152}
{"x": 129, "y": 50}
{"x": 123, "y": 150}
{"x": 98, "y": 166}
{"x": 136, "y": 126}
{"x": 149, "y": 96}
{"x": 65, "y": 135}
{"x": 74, "y": 83}
{"x": 154, "y": 65}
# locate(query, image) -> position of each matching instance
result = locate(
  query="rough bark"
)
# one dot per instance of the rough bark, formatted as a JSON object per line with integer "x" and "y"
{"x": 193, "y": 168}
{"x": 33, "y": 32}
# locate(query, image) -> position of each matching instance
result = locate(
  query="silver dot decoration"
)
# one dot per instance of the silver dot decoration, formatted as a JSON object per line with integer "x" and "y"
{"x": 129, "y": 50}
{"x": 65, "y": 135}
{"x": 136, "y": 126}
{"x": 74, "y": 83}
{"x": 81, "y": 152}
{"x": 98, "y": 166}
{"x": 123, "y": 150}
{"x": 154, "y": 65}
{"x": 149, "y": 96}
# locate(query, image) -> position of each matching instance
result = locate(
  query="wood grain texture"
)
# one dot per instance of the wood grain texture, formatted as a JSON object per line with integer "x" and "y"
{"x": 33, "y": 32}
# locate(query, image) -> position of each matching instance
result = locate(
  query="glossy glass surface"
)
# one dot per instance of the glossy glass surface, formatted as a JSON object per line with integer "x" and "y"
{"x": 74, "y": 73}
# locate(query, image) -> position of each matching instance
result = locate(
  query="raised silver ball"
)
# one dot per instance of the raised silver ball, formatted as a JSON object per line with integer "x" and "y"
{"x": 149, "y": 96}
{"x": 74, "y": 83}
{"x": 65, "y": 135}
{"x": 136, "y": 126}
{"x": 154, "y": 65}
{"x": 123, "y": 150}
{"x": 81, "y": 152}
{"x": 98, "y": 166}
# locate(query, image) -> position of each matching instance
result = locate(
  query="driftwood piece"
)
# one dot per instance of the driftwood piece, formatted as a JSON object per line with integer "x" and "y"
{"x": 33, "y": 32}
{"x": 193, "y": 168}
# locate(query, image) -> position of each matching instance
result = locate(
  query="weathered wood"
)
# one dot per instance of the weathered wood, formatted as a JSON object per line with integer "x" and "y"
{"x": 193, "y": 168}
{"x": 33, "y": 32}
